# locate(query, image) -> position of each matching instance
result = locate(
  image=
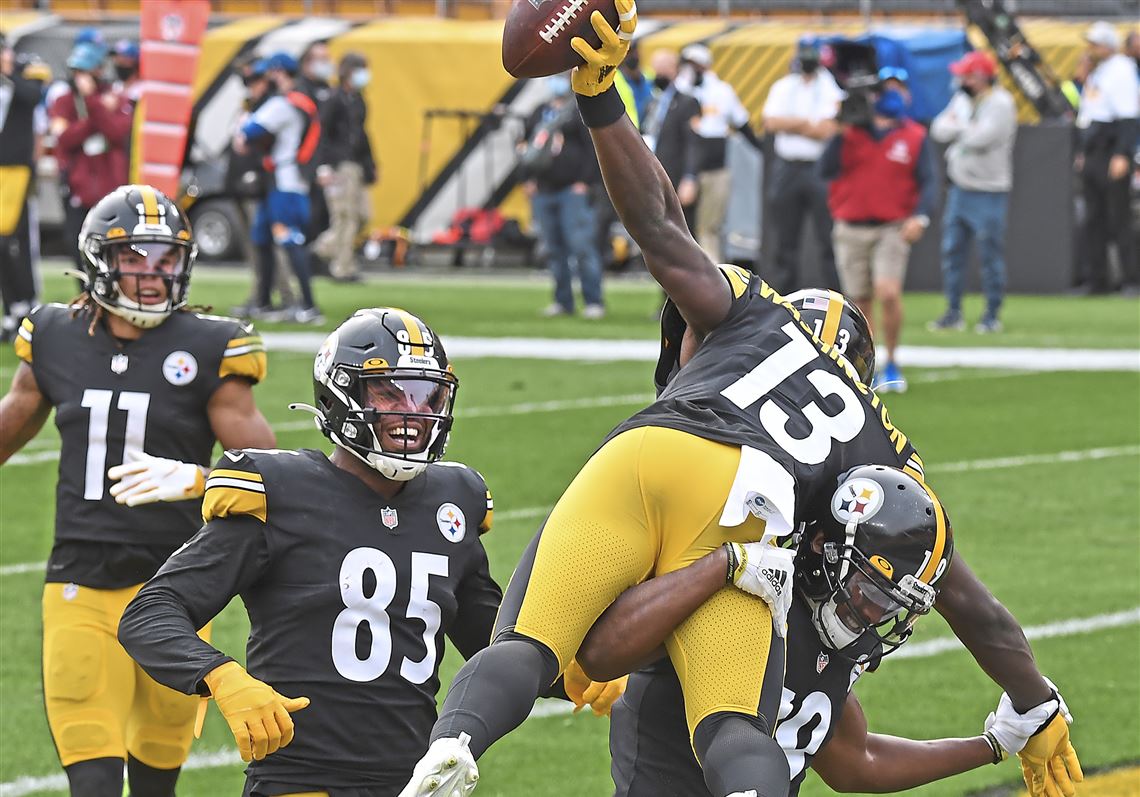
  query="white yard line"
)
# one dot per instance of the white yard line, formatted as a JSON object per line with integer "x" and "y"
{"x": 22, "y": 786}
{"x": 999, "y": 463}
{"x": 609, "y": 350}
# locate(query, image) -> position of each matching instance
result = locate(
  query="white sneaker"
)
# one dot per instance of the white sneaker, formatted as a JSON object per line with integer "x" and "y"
{"x": 447, "y": 770}
{"x": 554, "y": 310}
{"x": 593, "y": 312}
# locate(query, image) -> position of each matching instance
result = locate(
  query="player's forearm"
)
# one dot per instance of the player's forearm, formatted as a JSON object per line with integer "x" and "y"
{"x": 157, "y": 632}
{"x": 629, "y": 633}
{"x": 893, "y": 764}
{"x": 992, "y": 636}
{"x": 637, "y": 184}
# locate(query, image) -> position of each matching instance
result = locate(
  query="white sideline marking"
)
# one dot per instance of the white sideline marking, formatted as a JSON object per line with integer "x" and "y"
{"x": 555, "y": 708}
{"x": 999, "y": 463}
{"x": 608, "y": 350}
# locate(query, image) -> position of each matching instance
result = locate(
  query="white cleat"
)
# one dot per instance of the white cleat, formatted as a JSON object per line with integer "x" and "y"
{"x": 447, "y": 769}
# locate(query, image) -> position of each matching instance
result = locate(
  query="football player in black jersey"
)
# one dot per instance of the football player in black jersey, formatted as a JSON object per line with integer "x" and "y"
{"x": 856, "y": 600}
{"x": 352, "y": 567}
{"x": 142, "y": 388}
{"x": 755, "y": 428}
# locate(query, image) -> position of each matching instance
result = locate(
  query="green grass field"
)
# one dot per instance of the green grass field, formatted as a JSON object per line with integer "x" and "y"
{"x": 1055, "y": 540}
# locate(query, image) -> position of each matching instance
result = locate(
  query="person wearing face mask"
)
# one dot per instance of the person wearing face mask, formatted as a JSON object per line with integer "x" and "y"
{"x": 125, "y": 61}
{"x": 883, "y": 189}
{"x": 669, "y": 128}
{"x": 721, "y": 114}
{"x": 347, "y": 168}
{"x": 92, "y": 127}
{"x": 800, "y": 110}
{"x": 560, "y": 169}
{"x": 979, "y": 125}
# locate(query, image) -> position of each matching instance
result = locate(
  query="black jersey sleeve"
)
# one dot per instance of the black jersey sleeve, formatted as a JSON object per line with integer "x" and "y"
{"x": 478, "y": 598}
{"x": 159, "y": 627}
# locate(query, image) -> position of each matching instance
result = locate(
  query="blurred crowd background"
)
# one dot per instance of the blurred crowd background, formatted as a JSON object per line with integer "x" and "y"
{"x": 862, "y": 145}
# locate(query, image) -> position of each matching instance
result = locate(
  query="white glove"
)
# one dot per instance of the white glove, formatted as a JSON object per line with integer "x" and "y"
{"x": 1012, "y": 730}
{"x": 146, "y": 479}
{"x": 765, "y": 571}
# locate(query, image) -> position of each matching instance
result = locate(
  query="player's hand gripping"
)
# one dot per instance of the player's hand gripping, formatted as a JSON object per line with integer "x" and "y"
{"x": 257, "y": 715}
{"x": 763, "y": 570}
{"x": 1040, "y": 737}
{"x": 597, "y": 75}
{"x": 600, "y": 696}
{"x": 144, "y": 479}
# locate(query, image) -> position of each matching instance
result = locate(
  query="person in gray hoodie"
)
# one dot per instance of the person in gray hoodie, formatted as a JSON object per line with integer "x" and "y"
{"x": 980, "y": 125}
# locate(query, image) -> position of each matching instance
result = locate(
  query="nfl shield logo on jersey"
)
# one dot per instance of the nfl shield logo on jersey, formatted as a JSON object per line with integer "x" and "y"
{"x": 180, "y": 368}
{"x": 389, "y": 517}
{"x": 451, "y": 522}
{"x": 821, "y": 663}
{"x": 119, "y": 364}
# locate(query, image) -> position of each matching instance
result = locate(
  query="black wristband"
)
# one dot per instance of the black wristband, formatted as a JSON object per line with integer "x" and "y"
{"x": 999, "y": 753}
{"x": 602, "y": 110}
{"x": 732, "y": 563}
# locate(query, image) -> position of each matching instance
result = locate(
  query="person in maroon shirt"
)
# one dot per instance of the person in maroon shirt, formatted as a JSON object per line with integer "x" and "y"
{"x": 92, "y": 127}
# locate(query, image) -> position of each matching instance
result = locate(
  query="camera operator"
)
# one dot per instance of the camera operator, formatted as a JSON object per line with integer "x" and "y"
{"x": 882, "y": 193}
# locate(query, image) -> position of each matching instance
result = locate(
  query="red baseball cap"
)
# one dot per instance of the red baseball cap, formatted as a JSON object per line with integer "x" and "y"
{"x": 974, "y": 61}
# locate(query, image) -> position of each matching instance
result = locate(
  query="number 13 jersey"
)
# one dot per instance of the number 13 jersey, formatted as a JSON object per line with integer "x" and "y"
{"x": 761, "y": 380}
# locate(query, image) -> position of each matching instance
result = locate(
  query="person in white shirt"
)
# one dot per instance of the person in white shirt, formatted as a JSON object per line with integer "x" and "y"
{"x": 979, "y": 125}
{"x": 721, "y": 114}
{"x": 1108, "y": 120}
{"x": 801, "y": 110}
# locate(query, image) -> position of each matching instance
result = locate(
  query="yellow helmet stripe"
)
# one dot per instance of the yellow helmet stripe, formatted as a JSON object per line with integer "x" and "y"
{"x": 832, "y": 318}
{"x": 939, "y": 537}
{"x": 150, "y": 204}
{"x": 411, "y": 323}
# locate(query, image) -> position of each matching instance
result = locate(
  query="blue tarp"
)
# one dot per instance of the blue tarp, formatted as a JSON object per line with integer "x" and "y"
{"x": 926, "y": 53}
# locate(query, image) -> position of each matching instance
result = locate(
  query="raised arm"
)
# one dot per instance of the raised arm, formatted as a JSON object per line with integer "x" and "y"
{"x": 637, "y": 184}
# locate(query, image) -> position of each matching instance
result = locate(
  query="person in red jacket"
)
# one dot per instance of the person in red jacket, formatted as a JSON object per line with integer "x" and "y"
{"x": 92, "y": 127}
{"x": 883, "y": 191}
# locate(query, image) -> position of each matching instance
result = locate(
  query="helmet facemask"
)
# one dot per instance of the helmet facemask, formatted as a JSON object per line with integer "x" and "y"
{"x": 154, "y": 269}
{"x": 397, "y": 420}
{"x": 864, "y": 613}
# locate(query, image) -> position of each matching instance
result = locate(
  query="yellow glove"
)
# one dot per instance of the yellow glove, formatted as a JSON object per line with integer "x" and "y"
{"x": 1049, "y": 763}
{"x": 598, "y": 74}
{"x": 258, "y": 717}
{"x": 600, "y": 696}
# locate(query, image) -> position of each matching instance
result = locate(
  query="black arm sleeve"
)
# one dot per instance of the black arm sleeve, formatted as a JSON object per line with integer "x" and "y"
{"x": 159, "y": 627}
{"x": 478, "y": 598}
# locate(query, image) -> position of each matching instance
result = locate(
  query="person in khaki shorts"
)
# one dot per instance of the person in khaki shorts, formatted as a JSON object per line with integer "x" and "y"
{"x": 883, "y": 190}
{"x": 347, "y": 169}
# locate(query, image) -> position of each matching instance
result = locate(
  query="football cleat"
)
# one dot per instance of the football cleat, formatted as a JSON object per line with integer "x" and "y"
{"x": 447, "y": 770}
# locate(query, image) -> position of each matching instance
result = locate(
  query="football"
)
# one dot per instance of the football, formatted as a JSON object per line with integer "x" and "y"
{"x": 537, "y": 34}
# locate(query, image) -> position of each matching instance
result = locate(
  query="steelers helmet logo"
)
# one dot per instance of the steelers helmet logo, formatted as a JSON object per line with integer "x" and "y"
{"x": 180, "y": 368}
{"x": 857, "y": 499}
{"x": 451, "y": 522}
{"x": 324, "y": 359}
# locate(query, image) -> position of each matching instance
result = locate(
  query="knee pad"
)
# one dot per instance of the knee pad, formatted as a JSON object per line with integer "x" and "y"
{"x": 99, "y": 777}
{"x": 74, "y": 664}
{"x": 738, "y": 756}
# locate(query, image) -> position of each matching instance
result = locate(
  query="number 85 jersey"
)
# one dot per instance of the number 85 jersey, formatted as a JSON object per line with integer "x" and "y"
{"x": 349, "y": 596}
{"x": 763, "y": 381}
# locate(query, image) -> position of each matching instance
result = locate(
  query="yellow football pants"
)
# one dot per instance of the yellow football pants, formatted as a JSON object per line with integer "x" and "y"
{"x": 100, "y": 704}
{"x": 647, "y": 503}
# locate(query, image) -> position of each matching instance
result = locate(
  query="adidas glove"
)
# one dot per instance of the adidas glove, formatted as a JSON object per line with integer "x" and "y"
{"x": 257, "y": 715}
{"x": 144, "y": 479}
{"x": 600, "y": 696}
{"x": 763, "y": 570}
{"x": 1040, "y": 738}
{"x": 598, "y": 73}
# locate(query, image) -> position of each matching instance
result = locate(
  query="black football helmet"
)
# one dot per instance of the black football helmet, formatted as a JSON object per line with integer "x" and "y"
{"x": 385, "y": 391}
{"x": 839, "y": 323}
{"x": 142, "y": 221}
{"x": 886, "y": 544}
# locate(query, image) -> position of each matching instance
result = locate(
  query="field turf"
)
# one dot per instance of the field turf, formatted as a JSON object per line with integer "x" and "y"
{"x": 1055, "y": 538}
